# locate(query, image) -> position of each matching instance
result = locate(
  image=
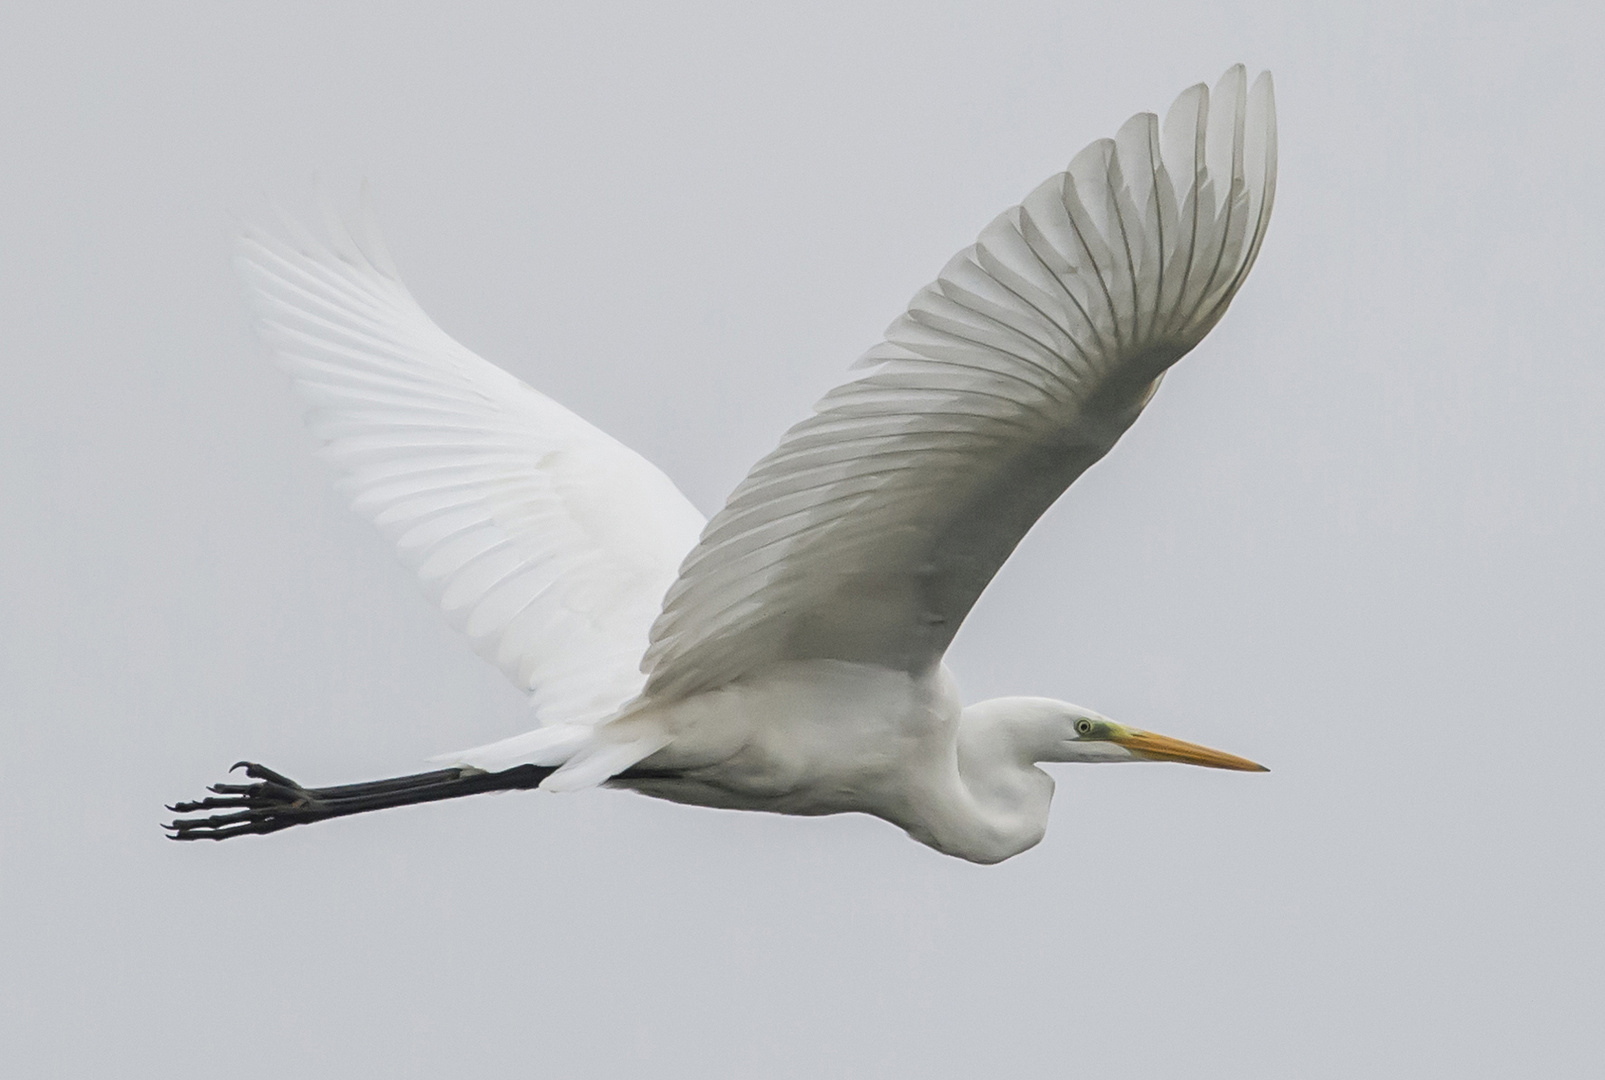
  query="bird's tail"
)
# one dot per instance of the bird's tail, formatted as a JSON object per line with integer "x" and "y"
{"x": 584, "y": 755}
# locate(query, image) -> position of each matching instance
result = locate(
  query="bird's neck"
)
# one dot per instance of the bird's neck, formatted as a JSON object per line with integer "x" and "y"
{"x": 1001, "y": 806}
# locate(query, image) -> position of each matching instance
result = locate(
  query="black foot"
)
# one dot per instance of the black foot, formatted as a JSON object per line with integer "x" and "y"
{"x": 276, "y": 802}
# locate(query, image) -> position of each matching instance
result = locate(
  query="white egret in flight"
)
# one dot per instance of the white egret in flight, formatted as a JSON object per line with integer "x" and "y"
{"x": 787, "y": 654}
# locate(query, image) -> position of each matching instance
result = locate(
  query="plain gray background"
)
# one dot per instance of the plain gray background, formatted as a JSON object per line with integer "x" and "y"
{"x": 1357, "y": 536}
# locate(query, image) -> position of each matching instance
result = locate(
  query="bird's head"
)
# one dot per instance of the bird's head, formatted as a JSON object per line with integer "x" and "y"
{"x": 1042, "y": 729}
{"x": 1084, "y": 735}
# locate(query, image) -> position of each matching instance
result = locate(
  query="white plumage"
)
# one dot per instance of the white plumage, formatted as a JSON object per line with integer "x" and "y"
{"x": 787, "y": 654}
{"x": 547, "y": 542}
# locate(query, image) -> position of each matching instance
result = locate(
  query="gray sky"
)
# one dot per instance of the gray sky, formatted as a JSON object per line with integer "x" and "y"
{"x": 1356, "y": 537}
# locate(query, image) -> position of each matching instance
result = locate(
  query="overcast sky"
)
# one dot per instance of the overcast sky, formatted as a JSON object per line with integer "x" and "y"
{"x": 1357, "y": 536}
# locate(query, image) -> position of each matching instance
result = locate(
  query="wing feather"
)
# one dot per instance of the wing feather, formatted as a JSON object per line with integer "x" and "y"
{"x": 871, "y": 530}
{"x": 548, "y": 543}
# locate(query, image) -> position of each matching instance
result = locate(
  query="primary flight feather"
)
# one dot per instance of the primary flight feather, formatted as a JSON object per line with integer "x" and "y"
{"x": 787, "y": 654}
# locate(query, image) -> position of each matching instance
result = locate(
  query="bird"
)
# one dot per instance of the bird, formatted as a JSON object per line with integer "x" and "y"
{"x": 786, "y": 655}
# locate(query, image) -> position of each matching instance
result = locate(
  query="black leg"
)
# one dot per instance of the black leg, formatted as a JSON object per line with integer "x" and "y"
{"x": 276, "y": 802}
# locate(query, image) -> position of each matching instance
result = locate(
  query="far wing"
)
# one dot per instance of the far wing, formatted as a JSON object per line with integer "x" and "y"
{"x": 870, "y": 531}
{"x": 547, "y": 542}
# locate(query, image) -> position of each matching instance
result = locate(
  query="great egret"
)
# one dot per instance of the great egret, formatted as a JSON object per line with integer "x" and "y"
{"x": 792, "y": 661}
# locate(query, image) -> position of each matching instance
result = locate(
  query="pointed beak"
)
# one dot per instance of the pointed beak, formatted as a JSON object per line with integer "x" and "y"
{"x": 1164, "y": 748}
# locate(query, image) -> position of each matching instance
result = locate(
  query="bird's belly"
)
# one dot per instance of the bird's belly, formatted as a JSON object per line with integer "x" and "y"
{"x": 811, "y": 737}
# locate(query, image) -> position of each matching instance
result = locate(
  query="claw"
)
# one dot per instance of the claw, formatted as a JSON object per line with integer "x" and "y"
{"x": 245, "y": 828}
{"x": 271, "y": 803}
{"x": 262, "y": 772}
{"x": 208, "y": 804}
{"x": 215, "y": 820}
{"x": 264, "y": 789}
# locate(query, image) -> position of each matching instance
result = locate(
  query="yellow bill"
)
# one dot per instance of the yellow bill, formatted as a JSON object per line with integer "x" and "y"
{"x": 1164, "y": 748}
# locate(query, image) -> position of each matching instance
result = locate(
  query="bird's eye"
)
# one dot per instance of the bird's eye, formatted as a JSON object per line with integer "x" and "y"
{"x": 1083, "y": 726}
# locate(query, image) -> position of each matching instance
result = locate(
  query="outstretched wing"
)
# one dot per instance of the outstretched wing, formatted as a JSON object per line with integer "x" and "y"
{"x": 870, "y": 531}
{"x": 547, "y": 542}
